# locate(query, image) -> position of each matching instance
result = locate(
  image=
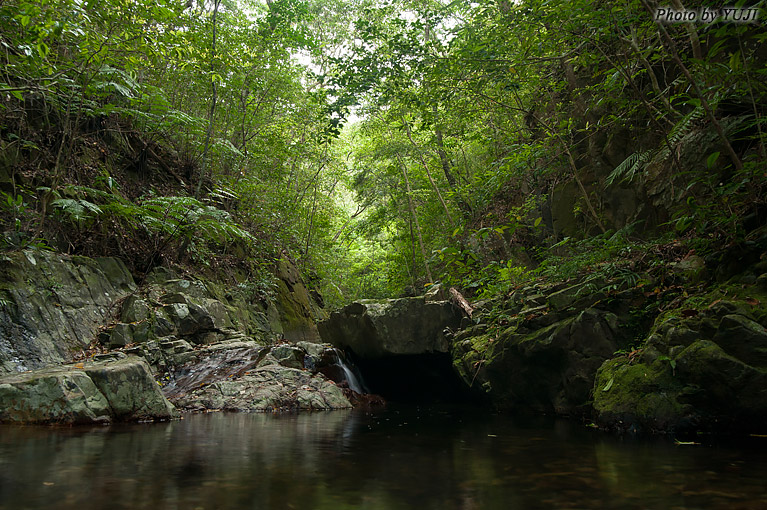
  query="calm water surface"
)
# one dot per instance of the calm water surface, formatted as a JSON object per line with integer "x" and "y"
{"x": 400, "y": 458}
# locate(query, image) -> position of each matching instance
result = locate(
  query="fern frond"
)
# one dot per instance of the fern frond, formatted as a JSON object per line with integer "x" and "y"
{"x": 628, "y": 168}
{"x": 680, "y": 130}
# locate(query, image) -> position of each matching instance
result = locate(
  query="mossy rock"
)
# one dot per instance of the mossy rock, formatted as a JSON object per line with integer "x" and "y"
{"x": 702, "y": 388}
{"x": 638, "y": 397}
{"x": 85, "y": 393}
{"x": 548, "y": 370}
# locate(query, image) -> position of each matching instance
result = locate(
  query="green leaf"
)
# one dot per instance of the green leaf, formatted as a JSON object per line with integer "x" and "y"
{"x": 712, "y": 159}
{"x": 537, "y": 221}
{"x": 609, "y": 384}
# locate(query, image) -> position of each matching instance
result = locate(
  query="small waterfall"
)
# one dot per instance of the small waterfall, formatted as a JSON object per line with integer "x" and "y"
{"x": 351, "y": 379}
{"x": 354, "y": 382}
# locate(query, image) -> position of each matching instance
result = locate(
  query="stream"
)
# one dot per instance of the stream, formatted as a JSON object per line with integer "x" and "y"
{"x": 401, "y": 457}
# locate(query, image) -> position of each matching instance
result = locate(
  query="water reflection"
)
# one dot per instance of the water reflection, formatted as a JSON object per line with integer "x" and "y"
{"x": 398, "y": 458}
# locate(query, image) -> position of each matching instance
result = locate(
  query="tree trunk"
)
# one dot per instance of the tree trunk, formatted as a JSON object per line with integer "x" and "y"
{"x": 209, "y": 134}
{"x": 415, "y": 218}
{"x": 428, "y": 173}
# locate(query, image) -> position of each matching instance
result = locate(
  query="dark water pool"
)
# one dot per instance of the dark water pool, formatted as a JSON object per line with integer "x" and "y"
{"x": 400, "y": 458}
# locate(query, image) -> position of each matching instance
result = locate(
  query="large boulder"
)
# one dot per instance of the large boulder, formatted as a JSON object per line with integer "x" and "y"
{"x": 94, "y": 392}
{"x": 376, "y": 329}
{"x": 548, "y": 368}
{"x": 702, "y": 368}
{"x": 51, "y": 305}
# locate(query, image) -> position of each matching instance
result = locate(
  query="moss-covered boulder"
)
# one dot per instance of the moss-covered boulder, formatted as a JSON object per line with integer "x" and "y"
{"x": 547, "y": 369}
{"x": 94, "y": 392}
{"x": 703, "y": 368}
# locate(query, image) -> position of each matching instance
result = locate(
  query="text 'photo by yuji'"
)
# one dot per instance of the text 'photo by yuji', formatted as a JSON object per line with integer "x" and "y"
{"x": 707, "y": 15}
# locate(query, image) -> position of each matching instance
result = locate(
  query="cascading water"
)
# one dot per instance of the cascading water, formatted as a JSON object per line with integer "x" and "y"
{"x": 352, "y": 380}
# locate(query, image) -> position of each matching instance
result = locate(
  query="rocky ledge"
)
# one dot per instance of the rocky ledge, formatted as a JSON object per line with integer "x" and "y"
{"x": 84, "y": 393}
{"x": 80, "y": 342}
{"x": 243, "y": 376}
{"x": 391, "y": 327}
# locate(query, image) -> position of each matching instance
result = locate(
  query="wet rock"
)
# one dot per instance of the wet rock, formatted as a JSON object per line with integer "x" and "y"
{"x": 93, "y": 392}
{"x": 269, "y": 388}
{"x": 53, "y": 305}
{"x": 407, "y": 326}
{"x": 244, "y": 376}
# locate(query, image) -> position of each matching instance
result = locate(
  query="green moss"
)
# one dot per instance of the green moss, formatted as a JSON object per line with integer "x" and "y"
{"x": 645, "y": 392}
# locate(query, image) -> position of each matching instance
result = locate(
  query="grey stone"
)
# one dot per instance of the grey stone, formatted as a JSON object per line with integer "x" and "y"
{"x": 373, "y": 329}
{"x": 54, "y": 305}
{"x": 289, "y": 356}
{"x": 92, "y": 392}
{"x": 135, "y": 309}
{"x": 270, "y": 388}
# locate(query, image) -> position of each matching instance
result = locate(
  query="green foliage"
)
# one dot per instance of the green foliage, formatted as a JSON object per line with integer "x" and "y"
{"x": 476, "y": 119}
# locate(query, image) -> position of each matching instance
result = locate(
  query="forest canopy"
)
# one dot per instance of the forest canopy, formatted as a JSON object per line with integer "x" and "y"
{"x": 384, "y": 145}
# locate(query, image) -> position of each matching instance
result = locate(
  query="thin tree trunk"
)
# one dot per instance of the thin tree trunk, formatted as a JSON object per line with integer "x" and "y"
{"x": 671, "y": 45}
{"x": 209, "y": 134}
{"x": 428, "y": 173}
{"x": 653, "y": 79}
{"x": 415, "y": 218}
{"x": 412, "y": 255}
{"x": 446, "y": 167}
{"x": 691, "y": 31}
{"x": 311, "y": 226}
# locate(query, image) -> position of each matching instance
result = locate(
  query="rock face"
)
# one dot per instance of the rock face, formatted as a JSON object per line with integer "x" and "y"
{"x": 168, "y": 308}
{"x": 407, "y": 326}
{"x": 541, "y": 359}
{"x": 93, "y": 392}
{"x": 246, "y": 376}
{"x": 51, "y": 305}
{"x": 212, "y": 346}
{"x": 702, "y": 368}
{"x": 299, "y": 308}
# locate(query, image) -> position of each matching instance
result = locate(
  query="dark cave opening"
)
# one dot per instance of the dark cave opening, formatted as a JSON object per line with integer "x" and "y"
{"x": 413, "y": 378}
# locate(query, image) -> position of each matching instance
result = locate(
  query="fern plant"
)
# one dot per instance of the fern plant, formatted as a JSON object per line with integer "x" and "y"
{"x": 636, "y": 162}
